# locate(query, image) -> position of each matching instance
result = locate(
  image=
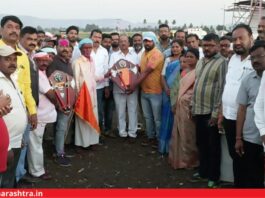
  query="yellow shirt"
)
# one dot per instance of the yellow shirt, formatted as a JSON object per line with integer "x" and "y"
{"x": 155, "y": 60}
{"x": 23, "y": 80}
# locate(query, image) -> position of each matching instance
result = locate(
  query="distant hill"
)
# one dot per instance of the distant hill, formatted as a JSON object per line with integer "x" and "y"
{"x": 63, "y": 23}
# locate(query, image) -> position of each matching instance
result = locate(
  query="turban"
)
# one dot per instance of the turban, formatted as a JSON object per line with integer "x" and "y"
{"x": 49, "y": 50}
{"x": 85, "y": 41}
{"x": 63, "y": 42}
{"x": 150, "y": 36}
{"x": 41, "y": 56}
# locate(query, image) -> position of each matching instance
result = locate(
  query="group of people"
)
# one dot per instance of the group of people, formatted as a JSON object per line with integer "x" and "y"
{"x": 186, "y": 93}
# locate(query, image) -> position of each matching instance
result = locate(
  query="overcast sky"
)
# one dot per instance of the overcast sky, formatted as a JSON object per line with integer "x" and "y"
{"x": 197, "y": 12}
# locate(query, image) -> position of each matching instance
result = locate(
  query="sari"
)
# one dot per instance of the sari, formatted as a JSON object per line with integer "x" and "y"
{"x": 172, "y": 71}
{"x": 182, "y": 150}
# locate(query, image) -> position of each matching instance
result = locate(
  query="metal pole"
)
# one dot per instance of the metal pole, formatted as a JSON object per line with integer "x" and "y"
{"x": 224, "y": 20}
{"x": 260, "y": 8}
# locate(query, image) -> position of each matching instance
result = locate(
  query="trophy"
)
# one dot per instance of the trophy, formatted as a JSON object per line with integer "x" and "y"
{"x": 65, "y": 94}
{"x": 123, "y": 73}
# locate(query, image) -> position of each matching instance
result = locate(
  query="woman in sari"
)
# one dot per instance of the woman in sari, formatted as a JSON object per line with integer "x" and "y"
{"x": 183, "y": 150}
{"x": 170, "y": 71}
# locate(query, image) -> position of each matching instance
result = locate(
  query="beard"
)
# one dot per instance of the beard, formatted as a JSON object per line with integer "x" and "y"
{"x": 137, "y": 47}
{"x": 261, "y": 34}
{"x": 72, "y": 39}
{"x": 209, "y": 54}
{"x": 114, "y": 45}
{"x": 240, "y": 51}
{"x": 164, "y": 37}
{"x": 149, "y": 48}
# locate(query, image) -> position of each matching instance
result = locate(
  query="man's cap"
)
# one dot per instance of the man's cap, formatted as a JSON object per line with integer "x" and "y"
{"x": 6, "y": 50}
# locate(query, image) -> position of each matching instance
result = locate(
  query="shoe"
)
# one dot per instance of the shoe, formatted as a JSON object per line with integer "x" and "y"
{"x": 27, "y": 179}
{"x": 154, "y": 144}
{"x": 79, "y": 150}
{"x": 45, "y": 176}
{"x": 62, "y": 160}
{"x": 147, "y": 142}
{"x": 197, "y": 178}
{"x": 69, "y": 154}
{"x": 212, "y": 184}
{"x": 139, "y": 126}
{"x": 111, "y": 134}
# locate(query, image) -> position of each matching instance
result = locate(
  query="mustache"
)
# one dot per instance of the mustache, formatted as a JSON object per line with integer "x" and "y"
{"x": 13, "y": 33}
{"x": 32, "y": 45}
{"x": 12, "y": 66}
{"x": 44, "y": 65}
{"x": 236, "y": 46}
{"x": 260, "y": 31}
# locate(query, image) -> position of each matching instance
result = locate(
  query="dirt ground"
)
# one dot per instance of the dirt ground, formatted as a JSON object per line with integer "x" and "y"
{"x": 116, "y": 163}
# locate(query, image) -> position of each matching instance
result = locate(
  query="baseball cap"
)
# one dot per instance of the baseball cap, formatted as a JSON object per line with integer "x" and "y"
{"x": 6, "y": 50}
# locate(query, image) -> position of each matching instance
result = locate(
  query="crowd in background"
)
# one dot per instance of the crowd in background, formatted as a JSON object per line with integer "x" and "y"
{"x": 186, "y": 94}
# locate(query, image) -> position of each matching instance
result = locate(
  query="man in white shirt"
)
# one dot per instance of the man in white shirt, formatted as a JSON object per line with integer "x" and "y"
{"x": 138, "y": 50}
{"x": 28, "y": 44}
{"x": 238, "y": 67}
{"x": 193, "y": 41}
{"x": 115, "y": 37}
{"x": 124, "y": 99}
{"x": 72, "y": 35}
{"x": 16, "y": 120}
{"x": 46, "y": 114}
{"x": 101, "y": 58}
{"x": 138, "y": 47}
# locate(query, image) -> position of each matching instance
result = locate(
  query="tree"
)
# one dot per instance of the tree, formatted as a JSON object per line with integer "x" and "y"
{"x": 90, "y": 27}
{"x": 184, "y": 26}
{"x": 206, "y": 29}
{"x": 220, "y": 27}
{"x": 159, "y": 22}
{"x": 145, "y": 21}
{"x": 39, "y": 27}
{"x": 174, "y": 22}
{"x": 166, "y": 21}
{"x": 212, "y": 30}
{"x": 191, "y": 25}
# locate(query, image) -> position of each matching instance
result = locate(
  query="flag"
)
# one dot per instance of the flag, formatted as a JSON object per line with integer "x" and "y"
{"x": 84, "y": 108}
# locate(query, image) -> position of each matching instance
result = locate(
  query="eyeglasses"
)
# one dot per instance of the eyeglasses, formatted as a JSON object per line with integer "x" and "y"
{"x": 257, "y": 56}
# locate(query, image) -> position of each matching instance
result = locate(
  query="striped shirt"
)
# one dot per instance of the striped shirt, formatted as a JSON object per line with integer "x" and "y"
{"x": 155, "y": 60}
{"x": 209, "y": 85}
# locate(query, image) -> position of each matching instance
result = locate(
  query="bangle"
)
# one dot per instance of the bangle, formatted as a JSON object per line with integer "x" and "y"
{"x": 238, "y": 138}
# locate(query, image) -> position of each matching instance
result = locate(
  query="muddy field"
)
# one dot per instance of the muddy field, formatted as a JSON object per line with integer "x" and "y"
{"x": 116, "y": 163}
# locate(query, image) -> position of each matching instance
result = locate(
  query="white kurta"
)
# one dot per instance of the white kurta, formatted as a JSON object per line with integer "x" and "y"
{"x": 84, "y": 70}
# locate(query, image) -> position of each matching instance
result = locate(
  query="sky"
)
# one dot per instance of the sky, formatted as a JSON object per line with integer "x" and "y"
{"x": 198, "y": 12}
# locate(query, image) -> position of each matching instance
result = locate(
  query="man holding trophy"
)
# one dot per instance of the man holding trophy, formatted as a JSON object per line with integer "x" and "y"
{"x": 124, "y": 71}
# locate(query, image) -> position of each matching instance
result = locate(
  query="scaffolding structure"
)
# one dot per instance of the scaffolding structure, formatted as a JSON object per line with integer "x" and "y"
{"x": 248, "y": 12}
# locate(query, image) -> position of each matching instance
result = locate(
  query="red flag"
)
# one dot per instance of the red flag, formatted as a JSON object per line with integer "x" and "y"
{"x": 84, "y": 108}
